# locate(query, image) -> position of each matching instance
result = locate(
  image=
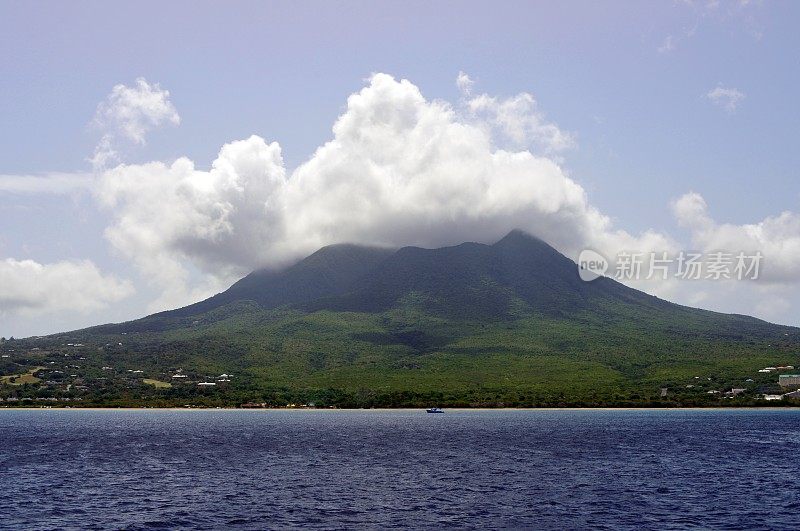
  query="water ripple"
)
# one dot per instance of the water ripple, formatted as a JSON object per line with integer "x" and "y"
{"x": 398, "y": 469}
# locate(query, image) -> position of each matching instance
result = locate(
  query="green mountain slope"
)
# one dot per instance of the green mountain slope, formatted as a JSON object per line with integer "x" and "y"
{"x": 509, "y": 323}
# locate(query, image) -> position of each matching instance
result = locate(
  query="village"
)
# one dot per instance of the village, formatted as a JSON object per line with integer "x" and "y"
{"x": 76, "y": 374}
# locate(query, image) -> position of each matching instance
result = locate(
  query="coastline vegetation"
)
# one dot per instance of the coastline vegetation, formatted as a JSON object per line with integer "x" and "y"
{"x": 358, "y": 360}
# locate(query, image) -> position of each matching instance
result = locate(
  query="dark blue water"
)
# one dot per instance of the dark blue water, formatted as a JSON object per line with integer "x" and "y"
{"x": 345, "y": 469}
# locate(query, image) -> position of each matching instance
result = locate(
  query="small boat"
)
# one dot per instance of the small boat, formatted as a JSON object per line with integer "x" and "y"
{"x": 434, "y": 410}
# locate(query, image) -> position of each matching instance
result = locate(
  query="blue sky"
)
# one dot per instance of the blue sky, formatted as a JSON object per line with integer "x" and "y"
{"x": 629, "y": 82}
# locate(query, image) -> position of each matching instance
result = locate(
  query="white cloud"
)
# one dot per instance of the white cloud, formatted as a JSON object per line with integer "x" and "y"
{"x": 516, "y": 120}
{"x": 726, "y": 98}
{"x": 400, "y": 170}
{"x": 127, "y": 115}
{"x": 464, "y": 84}
{"x": 31, "y": 288}
{"x": 776, "y": 237}
{"x": 691, "y": 210}
{"x": 50, "y": 183}
{"x": 225, "y": 221}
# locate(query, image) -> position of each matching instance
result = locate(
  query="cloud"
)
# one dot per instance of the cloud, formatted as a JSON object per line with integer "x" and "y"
{"x": 464, "y": 83}
{"x": 49, "y": 183}
{"x": 776, "y": 237}
{"x": 403, "y": 170}
{"x": 519, "y": 120}
{"x": 225, "y": 220}
{"x": 127, "y": 115}
{"x": 400, "y": 170}
{"x": 726, "y": 98}
{"x": 31, "y": 288}
{"x": 691, "y": 210}
{"x": 516, "y": 120}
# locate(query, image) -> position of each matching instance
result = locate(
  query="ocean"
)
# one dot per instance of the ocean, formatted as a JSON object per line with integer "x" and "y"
{"x": 277, "y": 469}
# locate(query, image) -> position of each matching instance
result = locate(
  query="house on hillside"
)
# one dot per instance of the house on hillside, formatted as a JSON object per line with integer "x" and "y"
{"x": 789, "y": 380}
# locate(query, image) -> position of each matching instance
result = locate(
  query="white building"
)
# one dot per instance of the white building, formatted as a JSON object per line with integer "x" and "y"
{"x": 789, "y": 380}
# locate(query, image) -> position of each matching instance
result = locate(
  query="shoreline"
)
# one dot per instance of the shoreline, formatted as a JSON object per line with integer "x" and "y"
{"x": 420, "y": 409}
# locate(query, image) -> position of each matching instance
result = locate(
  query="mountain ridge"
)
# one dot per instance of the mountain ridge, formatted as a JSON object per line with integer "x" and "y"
{"x": 474, "y": 324}
{"x": 350, "y": 277}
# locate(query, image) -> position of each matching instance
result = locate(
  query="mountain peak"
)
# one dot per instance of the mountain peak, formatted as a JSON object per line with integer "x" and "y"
{"x": 520, "y": 241}
{"x": 517, "y": 237}
{"x": 517, "y": 233}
